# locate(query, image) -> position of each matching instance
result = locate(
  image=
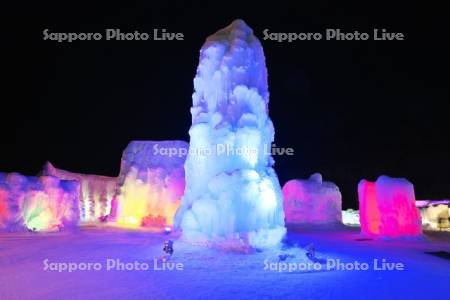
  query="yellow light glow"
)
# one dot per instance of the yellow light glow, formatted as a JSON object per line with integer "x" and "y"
{"x": 146, "y": 203}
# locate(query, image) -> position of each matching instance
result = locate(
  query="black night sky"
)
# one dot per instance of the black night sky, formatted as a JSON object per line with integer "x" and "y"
{"x": 350, "y": 109}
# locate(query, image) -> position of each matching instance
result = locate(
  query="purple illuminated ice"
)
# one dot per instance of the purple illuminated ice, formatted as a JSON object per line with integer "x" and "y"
{"x": 312, "y": 201}
{"x": 42, "y": 203}
{"x": 232, "y": 192}
{"x": 96, "y": 192}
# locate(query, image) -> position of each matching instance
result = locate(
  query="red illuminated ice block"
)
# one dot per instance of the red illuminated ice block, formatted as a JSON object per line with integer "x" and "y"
{"x": 387, "y": 208}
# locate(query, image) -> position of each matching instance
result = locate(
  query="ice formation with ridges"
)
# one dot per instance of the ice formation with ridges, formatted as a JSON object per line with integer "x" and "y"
{"x": 42, "y": 203}
{"x": 150, "y": 184}
{"x": 96, "y": 192}
{"x": 232, "y": 192}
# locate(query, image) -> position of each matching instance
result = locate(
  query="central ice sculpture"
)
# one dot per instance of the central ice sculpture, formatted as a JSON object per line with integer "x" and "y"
{"x": 232, "y": 192}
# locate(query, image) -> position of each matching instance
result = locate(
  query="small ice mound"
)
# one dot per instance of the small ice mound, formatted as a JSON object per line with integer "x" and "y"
{"x": 387, "y": 208}
{"x": 296, "y": 260}
{"x": 312, "y": 201}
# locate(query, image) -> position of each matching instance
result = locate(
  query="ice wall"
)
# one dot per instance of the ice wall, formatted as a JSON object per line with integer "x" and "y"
{"x": 96, "y": 192}
{"x": 387, "y": 208}
{"x": 42, "y": 203}
{"x": 232, "y": 192}
{"x": 151, "y": 183}
{"x": 312, "y": 201}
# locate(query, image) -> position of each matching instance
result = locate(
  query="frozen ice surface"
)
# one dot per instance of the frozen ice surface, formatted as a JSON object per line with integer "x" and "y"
{"x": 232, "y": 192}
{"x": 96, "y": 192}
{"x": 387, "y": 208}
{"x": 150, "y": 184}
{"x": 216, "y": 274}
{"x": 42, "y": 203}
{"x": 312, "y": 201}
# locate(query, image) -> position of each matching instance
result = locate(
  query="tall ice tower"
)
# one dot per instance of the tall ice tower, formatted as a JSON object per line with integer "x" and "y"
{"x": 232, "y": 192}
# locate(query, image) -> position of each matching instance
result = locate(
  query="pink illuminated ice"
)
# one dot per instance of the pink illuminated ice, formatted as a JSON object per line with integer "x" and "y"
{"x": 96, "y": 192}
{"x": 387, "y": 208}
{"x": 42, "y": 203}
{"x": 312, "y": 201}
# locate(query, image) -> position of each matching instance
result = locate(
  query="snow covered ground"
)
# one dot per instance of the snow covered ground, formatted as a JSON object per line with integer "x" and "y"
{"x": 217, "y": 274}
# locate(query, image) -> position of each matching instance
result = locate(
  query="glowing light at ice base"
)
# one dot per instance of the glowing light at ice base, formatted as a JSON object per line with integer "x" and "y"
{"x": 149, "y": 204}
